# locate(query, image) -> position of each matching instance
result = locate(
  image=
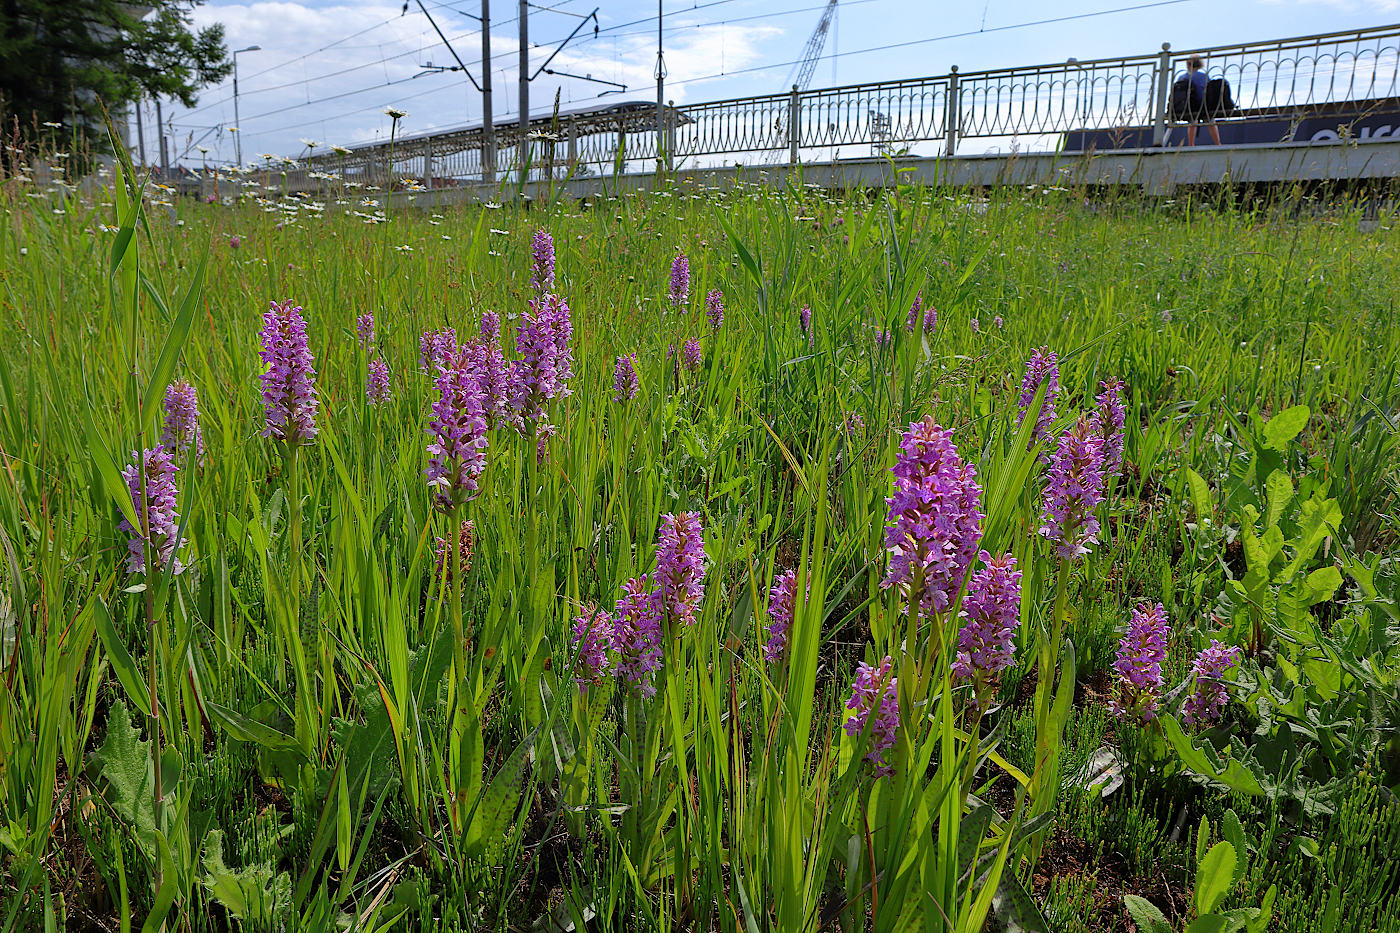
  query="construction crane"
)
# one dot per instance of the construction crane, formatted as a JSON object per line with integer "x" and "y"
{"x": 812, "y": 51}
{"x": 801, "y": 77}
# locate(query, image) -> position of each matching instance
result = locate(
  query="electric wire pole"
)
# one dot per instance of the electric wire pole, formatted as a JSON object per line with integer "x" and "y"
{"x": 662, "y": 157}
{"x": 488, "y": 126}
{"x": 524, "y": 153}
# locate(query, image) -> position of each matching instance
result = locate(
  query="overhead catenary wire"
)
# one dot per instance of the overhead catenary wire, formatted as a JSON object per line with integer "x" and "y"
{"x": 347, "y": 70}
{"x": 952, "y": 35}
{"x": 362, "y": 90}
{"x": 411, "y": 52}
{"x": 614, "y": 34}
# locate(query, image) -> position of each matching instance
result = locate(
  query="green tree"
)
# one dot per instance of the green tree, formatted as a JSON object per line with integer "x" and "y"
{"x": 63, "y": 61}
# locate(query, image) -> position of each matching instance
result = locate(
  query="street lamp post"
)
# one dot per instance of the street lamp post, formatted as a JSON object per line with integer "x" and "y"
{"x": 238, "y": 137}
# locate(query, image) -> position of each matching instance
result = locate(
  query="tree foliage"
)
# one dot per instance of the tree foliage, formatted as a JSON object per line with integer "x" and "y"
{"x": 63, "y": 61}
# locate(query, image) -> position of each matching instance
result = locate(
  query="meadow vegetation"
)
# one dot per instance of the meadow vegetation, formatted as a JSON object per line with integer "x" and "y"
{"x": 759, "y": 559}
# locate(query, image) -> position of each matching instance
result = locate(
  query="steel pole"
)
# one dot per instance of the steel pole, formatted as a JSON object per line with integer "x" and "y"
{"x": 238, "y": 136}
{"x": 488, "y": 124}
{"x": 524, "y": 89}
{"x": 661, "y": 155}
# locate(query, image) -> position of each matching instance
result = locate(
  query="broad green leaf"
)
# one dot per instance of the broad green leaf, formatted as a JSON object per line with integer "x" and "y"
{"x": 1279, "y": 490}
{"x": 1146, "y": 915}
{"x": 1233, "y": 774}
{"x": 1233, "y": 831}
{"x": 169, "y": 888}
{"x": 1215, "y": 875}
{"x": 255, "y": 894}
{"x": 1319, "y": 519}
{"x": 250, "y": 730}
{"x": 498, "y": 804}
{"x": 1266, "y": 912}
{"x": 124, "y": 770}
{"x": 1284, "y": 426}
{"x": 1015, "y": 909}
{"x": 530, "y": 684}
{"x": 1200, "y": 495}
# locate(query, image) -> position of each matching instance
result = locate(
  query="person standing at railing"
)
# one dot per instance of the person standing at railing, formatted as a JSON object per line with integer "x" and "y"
{"x": 1195, "y": 112}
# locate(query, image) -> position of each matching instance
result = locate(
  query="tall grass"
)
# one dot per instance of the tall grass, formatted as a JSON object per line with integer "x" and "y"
{"x": 347, "y": 738}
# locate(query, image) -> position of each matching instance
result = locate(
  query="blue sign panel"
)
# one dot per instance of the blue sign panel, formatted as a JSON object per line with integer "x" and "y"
{"x": 1347, "y": 123}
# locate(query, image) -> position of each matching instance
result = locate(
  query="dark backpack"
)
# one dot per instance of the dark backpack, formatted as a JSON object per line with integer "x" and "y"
{"x": 1185, "y": 102}
{"x": 1219, "y": 103}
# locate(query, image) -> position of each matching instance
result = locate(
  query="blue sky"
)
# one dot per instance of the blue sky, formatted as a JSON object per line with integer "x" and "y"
{"x": 327, "y": 69}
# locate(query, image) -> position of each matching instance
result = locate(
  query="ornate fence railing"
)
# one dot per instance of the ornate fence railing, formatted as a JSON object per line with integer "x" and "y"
{"x": 1026, "y": 106}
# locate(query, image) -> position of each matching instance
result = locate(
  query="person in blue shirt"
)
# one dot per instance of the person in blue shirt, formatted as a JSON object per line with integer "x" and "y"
{"x": 1196, "y": 72}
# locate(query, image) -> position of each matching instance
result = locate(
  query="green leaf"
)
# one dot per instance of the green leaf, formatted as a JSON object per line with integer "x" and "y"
{"x": 1266, "y": 911}
{"x": 1146, "y": 915}
{"x": 254, "y": 894}
{"x": 1233, "y": 831}
{"x": 1200, "y": 495}
{"x": 169, "y": 887}
{"x": 1210, "y": 923}
{"x": 123, "y": 665}
{"x": 1279, "y": 491}
{"x": 530, "y": 686}
{"x": 1016, "y": 911}
{"x": 107, "y": 468}
{"x": 244, "y": 729}
{"x": 1285, "y": 426}
{"x": 174, "y": 342}
{"x": 123, "y": 767}
{"x": 497, "y": 806}
{"x": 1231, "y": 773}
{"x": 1214, "y": 878}
{"x": 1319, "y": 519}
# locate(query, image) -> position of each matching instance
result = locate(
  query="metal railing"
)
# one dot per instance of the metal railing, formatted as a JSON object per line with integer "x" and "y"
{"x": 1027, "y": 106}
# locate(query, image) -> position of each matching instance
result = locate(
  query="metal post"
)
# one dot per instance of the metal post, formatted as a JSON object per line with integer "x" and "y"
{"x": 524, "y": 90}
{"x": 488, "y": 126}
{"x": 954, "y": 112}
{"x": 670, "y": 136}
{"x": 428, "y": 164}
{"x": 1159, "y": 103}
{"x": 164, "y": 154}
{"x": 573, "y": 143}
{"x": 662, "y": 158}
{"x": 238, "y": 136}
{"x": 140, "y": 133}
{"x": 794, "y": 130}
